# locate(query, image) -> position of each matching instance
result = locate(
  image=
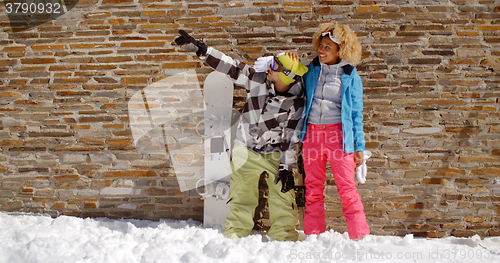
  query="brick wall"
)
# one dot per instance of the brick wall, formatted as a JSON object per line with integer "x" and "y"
{"x": 431, "y": 79}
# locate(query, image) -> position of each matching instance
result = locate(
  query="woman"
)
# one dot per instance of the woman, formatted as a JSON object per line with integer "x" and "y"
{"x": 333, "y": 128}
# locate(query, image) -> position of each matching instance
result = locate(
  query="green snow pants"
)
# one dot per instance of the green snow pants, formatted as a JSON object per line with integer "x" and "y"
{"x": 247, "y": 167}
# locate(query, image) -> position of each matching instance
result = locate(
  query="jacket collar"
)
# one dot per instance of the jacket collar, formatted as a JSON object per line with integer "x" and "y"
{"x": 348, "y": 69}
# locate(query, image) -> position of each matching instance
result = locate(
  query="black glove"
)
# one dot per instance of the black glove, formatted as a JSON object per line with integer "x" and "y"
{"x": 287, "y": 180}
{"x": 188, "y": 42}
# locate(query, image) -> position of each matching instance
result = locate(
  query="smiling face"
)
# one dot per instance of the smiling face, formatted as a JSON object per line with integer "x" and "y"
{"x": 328, "y": 51}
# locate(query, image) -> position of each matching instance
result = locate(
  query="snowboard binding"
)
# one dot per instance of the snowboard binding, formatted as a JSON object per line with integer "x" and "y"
{"x": 218, "y": 189}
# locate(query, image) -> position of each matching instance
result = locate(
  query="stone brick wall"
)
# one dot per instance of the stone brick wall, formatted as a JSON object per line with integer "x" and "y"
{"x": 431, "y": 79}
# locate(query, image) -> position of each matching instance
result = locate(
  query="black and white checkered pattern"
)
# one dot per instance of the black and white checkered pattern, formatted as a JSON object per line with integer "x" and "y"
{"x": 269, "y": 122}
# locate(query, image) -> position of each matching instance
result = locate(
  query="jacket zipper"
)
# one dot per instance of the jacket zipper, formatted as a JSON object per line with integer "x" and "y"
{"x": 322, "y": 98}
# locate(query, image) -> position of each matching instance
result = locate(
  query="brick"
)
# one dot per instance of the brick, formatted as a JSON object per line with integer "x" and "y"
{"x": 438, "y": 52}
{"x": 92, "y": 33}
{"x": 200, "y": 12}
{"x": 298, "y": 9}
{"x": 423, "y": 227}
{"x": 322, "y": 10}
{"x": 62, "y": 68}
{"x": 487, "y": 28}
{"x": 59, "y": 206}
{"x": 155, "y": 191}
{"x": 388, "y": 16}
{"x": 8, "y": 62}
{"x": 120, "y": 191}
{"x": 97, "y": 119}
{"x": 11, "y": 94}
{"x": 495, "y": 129}
{"x": 154, "y": 13}
{"x": 488, "y": 172}
{"x": 89, "y": 46}
{"x": 424, "y": 61}
{"x": 72, "y": 80}
{"x": 51, "y": 134}
{"x": 90, "y": 205}
{"x": 135, "y": 80}
{"x": 365, "y": 9}
{"x": 44, "y": 199}
{"x": 119, "y": 59}
{"x": 97, "y": 67}
{"x": 13, "y": 48}
{"x": 435, "y": 181}
{"x": 27, "y": 149}
{"x": 71, "y": 184}
{"x": 67, "y": 176}
{"x": 142, "y": 44}
{"x": 448, "y": 172}
{"x": 30, "y": 61}
{"x": 443, "y": 102}
{"x": 177, "y": 65}
{"x": 16, "y": 54}
{"x": 471, "y": 181}
{"x": 466, "y": 159}
{"x": 464, "y": 233}
{"x": 132, "y": 173}
{"x": 49, "y": 47}
{"x": 462, "y": 129}
{"x": 161, "y": 58}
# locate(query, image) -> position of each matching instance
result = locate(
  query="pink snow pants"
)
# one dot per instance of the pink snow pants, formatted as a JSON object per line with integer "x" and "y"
{"x": 322, "y": 143}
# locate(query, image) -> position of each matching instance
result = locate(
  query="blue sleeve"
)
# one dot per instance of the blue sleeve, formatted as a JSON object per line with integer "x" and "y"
{"x": 357, "y": 115}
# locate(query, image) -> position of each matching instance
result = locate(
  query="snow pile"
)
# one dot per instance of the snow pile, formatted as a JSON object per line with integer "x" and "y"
{"x": 38, "y": 238}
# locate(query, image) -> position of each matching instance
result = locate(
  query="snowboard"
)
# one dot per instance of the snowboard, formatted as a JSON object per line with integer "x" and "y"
{"x": 217, "y": 135}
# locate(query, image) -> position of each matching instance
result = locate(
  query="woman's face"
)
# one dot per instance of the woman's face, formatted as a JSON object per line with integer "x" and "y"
{"x": 328, "y": 51}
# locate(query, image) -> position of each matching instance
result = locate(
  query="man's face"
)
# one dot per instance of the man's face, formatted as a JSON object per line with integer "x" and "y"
{"x": 274, "y": 77}
{"x": 328, "y": 51}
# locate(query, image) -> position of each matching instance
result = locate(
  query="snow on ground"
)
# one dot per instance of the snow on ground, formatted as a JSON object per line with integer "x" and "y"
{"x": 29, "y": 238}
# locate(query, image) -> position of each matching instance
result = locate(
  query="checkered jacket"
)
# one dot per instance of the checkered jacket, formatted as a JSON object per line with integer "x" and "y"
{"x": 269, "y": 122}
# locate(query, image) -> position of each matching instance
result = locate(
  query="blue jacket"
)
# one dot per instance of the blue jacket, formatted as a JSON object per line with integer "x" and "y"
{"x": 352, "y": 105}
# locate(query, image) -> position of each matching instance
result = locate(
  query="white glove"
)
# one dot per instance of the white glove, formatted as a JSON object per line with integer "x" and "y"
{"x": 361, "y": 170}
{"x": 263, "y": 63}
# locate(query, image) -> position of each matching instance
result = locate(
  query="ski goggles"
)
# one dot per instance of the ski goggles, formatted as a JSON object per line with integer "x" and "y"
{"x": 330, "y": 35}
{"x": 278, "y": 67}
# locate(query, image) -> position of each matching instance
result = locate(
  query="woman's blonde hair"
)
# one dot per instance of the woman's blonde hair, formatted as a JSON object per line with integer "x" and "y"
{"x": 350, "y": 48}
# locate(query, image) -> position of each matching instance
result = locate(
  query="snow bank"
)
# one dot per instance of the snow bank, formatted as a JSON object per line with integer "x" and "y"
{"x": 39, "y": 238}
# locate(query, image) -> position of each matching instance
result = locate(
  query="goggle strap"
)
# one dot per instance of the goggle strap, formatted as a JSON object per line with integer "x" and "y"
{"x": 283, "y": 69}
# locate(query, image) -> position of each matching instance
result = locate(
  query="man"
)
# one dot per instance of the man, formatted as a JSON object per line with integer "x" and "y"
{"x": 266, "y": 137}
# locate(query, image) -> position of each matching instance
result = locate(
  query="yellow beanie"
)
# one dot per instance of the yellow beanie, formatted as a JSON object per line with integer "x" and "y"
{"x": 295, "y": 67}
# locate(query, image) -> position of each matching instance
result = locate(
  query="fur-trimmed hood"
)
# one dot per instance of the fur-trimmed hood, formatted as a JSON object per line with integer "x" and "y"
{"x": 350, "y": 48}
